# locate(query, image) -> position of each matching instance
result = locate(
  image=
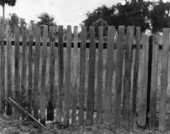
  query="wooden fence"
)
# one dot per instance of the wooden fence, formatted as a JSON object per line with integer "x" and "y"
{"x": 121, "y": 78}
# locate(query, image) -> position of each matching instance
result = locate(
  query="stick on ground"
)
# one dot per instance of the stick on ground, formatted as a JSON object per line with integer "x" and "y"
{"x": 23, "y": 112}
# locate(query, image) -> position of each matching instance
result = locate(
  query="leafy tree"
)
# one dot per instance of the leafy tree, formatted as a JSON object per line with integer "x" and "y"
{"x": 160, "y": 16}
{"x": 32, "y": 25}
{"x": 146, "y": 14}
{"x": 22, "y": 22}
{"x": 101, "y": 13}
{"x": 13, "y": 21}
{"x": 131, "y": 13}
{"x": 3, "y": 21}
{"x": 6, "y": 2}
{"x": 134, "y": 13}
{"x": 97, "y": 23}
{"x": 46, "y": 19}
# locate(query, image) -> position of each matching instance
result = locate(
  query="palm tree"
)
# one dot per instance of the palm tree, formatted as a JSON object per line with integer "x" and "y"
{"x": 8, "y": 2}
{"x": 46, "y": 19}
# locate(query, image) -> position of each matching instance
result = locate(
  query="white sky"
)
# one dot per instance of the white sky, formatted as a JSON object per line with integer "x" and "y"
{"x": 65, "y": 12}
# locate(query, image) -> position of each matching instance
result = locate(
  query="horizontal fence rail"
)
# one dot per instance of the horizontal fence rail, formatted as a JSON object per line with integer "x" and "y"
{"x": 76, "y": 78}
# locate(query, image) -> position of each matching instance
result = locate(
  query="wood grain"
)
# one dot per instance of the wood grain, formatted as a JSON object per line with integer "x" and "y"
{"x": 164, "y": 79}
{"x": 91, "y": 79}
{"x": 36, "y": 73}
{"x": 82, "y": 75}
{"x": 43, "y": 77}
{"x": 109, "y": 76}
{"x": 100, "y": 77}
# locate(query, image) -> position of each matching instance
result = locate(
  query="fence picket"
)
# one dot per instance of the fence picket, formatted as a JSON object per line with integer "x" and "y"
{"x": 119, "y": 73}
{"x": 9, "y": 72}
{"x": 82, "y": 75}
{"x": 51, "y": 103}
{"x": 154, "y": 79}
{"x": 60, "y": 74}
{"x": 17, "y": 68}
{"x": 100, "y": 77}
{"x": 91, "y": 79}
{"x": 75, "y": 76}
{"x": 36, "y": 74}
{"x": 23, "y": 67}
{"x": 67, "y": 99}
{"x": 109, "y": 76}
{"x": 127, "y": 76}
{"x": 144, "y": 82}
{"x": 2, "y": 84}
{"x": 135, "y": 78}
{"x": 43, "y": 76}
{"x": 164, "y": 79}
{"x": 30, "y": 71}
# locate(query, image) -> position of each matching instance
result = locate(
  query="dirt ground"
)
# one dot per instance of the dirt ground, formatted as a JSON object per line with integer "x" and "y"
{"x": 8, "y": 125}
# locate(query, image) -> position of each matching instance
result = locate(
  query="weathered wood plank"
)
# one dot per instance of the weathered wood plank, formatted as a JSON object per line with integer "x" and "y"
{"x": 67, "y": 99}
{"x": 9, "y": 72}
{"x": 91, "y": 79}
{"x": 60, "y": 74}
{"x": 109, "y": 76}
{"x": 30, "y": 71}
{"x": 164, "y": 79}
{"x": 43, "y": 76}
{"x": 2, "y": 71}
{"x": 23, "y": 68}
{"x": 82, "y": 75}
{"x": 51, "y": 103}
{"x": 17, "y": 68}
{"x": 100, "y": 77}
{"x": 127, "y": 76}
{"x": 144, "y": 82}
{"x": 36, "y": 73}
{"x": 75, "y": 59}
{"x": 119, "y": 73}
{"x": 154, "y": 79}
{"x": 135, "y": 77}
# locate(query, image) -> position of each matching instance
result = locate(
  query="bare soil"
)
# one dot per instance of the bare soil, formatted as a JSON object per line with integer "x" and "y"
{"x": 8, "y": 125}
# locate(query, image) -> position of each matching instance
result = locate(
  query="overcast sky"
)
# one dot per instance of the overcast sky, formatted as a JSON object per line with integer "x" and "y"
{"x": 65, "y": 12}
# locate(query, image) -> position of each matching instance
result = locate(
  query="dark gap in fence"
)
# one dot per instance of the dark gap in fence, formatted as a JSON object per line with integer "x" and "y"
{"x": 149, "y": 78}
{"x": 78, "y": 45}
